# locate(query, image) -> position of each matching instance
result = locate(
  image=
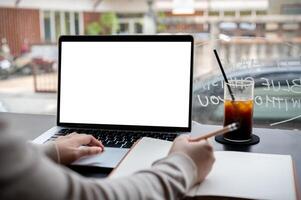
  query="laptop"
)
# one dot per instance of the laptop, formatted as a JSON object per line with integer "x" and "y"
{"x": 120, "y": 88}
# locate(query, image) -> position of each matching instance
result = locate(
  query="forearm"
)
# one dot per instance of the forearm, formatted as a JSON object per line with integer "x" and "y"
{"x": 169, "y": 178}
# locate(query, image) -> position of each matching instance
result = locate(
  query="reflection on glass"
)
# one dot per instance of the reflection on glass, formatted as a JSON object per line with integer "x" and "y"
{"x": 271, "y": 57}
{"x": 274, "y": 67}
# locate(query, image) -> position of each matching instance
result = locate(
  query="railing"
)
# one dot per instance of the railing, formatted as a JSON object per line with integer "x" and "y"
{"x": 44, "y": 81}
{"x": 44, "y": 67}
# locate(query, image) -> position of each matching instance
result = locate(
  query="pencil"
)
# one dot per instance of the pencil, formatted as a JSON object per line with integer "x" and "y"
{"x": 226, "y": 129}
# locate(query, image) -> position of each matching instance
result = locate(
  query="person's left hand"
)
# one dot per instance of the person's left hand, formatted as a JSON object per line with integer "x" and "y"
{"x": 75, "y": 146}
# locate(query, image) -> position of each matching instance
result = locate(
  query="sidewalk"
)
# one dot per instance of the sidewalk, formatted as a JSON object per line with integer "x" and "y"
{"x": 17, "y": 95}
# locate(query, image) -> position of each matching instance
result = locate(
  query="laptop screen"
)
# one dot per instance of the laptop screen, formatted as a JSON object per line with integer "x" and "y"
{"x": 133, "y": 83}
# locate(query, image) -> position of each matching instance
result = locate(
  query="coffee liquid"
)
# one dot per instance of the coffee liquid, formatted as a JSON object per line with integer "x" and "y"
{"x": 241, "y": 112}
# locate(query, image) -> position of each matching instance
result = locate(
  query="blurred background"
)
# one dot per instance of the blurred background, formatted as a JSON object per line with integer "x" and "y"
{"x": 256, "y": 39}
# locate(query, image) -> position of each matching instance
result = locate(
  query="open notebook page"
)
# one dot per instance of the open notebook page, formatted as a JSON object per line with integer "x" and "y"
{"x": 249, "y": 175}
{"x": 234, "y": 174}
{"x": 142, "y": 156}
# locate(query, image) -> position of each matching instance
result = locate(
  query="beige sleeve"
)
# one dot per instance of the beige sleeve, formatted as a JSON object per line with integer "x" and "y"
{"x": 26, "y": 173}
{"x": 49, "y": 149}
{"x": 169, "y": 178}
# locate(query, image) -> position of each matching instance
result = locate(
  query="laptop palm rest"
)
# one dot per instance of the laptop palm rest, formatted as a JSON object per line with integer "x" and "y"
{"x": 107, "y": 159}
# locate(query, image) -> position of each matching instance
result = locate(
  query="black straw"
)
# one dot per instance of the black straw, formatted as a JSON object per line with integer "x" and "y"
{"x": 224, "y": 74}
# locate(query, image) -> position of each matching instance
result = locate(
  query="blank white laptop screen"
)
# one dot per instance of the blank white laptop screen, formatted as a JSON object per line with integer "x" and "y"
{"x": 125, "y": 83}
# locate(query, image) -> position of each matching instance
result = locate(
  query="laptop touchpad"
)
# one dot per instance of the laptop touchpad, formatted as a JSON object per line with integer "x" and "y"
{"x": 109, "y": 158}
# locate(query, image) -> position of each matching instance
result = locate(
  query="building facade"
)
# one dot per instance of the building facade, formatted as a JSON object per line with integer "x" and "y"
{"x": 36, "y": 21}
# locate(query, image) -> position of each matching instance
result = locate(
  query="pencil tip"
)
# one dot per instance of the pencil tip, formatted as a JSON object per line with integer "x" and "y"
{"x": 236, "y": 125}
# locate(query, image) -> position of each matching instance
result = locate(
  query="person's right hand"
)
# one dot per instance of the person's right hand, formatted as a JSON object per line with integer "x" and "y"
{"x": 201, "y": 154}
{"x": 74, "y": 146}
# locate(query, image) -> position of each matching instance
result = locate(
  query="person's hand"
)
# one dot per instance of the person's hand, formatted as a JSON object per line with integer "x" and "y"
{"x": 70, "y": 147}
{"x": 200, "y": 152}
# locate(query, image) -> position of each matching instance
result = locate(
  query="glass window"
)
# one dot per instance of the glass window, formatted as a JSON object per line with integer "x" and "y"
{"x": 76, "y": 23}
{"x": 213, "y": 13}
{"x": 261, "y": 12}
{"x": 58, "y": 23}
{"x": 124, "y": 28}
{"x": 271, "y": 56}
{"x": 245, "y": 13}
{"x": 58, "y": 30}
{"x": 138, "y": 28}
{"x": 291, "y": 9}
{"x": 47, "y": 25}
{"x": 275, "y": 68}
{"x": 67, "y": 23}
{"x": 229, "y": 13}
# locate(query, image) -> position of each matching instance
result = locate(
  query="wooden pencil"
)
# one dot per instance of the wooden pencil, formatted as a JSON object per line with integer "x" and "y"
{"x": 226, "y": 129}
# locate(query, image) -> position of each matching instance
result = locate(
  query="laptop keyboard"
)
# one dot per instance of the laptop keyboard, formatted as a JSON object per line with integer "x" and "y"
{"x": 115, "y": 138}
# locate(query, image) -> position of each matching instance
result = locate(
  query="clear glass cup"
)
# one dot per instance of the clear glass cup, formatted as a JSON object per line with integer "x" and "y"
{"x": 239, "y": 110}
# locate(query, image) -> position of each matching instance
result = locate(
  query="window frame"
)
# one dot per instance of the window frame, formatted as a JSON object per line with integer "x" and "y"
{"x": 131, "y": 24}
{"x": 62, "y": 18}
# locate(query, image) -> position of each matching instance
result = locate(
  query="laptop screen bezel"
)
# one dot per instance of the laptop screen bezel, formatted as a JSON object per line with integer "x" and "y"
{"x": 126, "y": 38}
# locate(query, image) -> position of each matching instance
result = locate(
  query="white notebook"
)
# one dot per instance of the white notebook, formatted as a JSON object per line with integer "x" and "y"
{"x": 234, "y": 174}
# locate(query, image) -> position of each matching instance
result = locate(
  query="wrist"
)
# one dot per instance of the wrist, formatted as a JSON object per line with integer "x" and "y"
{"x": 183, "y": 163}
{"x": 58, "y": 160}
{"x": 50, "y": 149}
